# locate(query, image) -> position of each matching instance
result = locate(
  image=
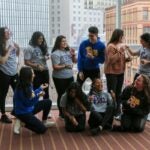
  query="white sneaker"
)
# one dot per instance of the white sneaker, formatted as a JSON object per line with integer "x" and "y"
{"x": 49, "y": 123}
{"x": 148, "y": 118}
{"x": 17, "y": 126}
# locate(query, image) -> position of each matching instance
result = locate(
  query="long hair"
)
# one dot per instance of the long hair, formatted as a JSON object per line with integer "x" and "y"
{"x": 25, "y": 81}
{"x": 146, "y": 37}
{"x": 79, "y": 92}
{"x": 116, "y": 35}
{"x": 2, "y": 41}
{"x": 58, "y": 42}
{"x": 34, "y": 42}
{"x": 146, "y": 90}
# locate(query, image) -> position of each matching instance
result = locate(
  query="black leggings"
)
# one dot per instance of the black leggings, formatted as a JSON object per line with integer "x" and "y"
{"x": 133, "y": 123}
{"x": 81, "y": 119}
{"x": 115, "y": 83}
{"x": 101, "y": 119}
{"x": 92, "y": 74}
{"x": 61, "y": 86}
{"x": 41, "y": 77}
{"x": 5, "y": 81}
{"x": 32, "y": 122}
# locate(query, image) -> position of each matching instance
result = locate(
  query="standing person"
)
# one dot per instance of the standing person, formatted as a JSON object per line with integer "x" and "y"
{"x": 144, "y": 54}
{"x": 74, "y": 104}
{"x": 102, "y": 108}
{"x": 136, "y": 105}
{"x": 90, "y": 54}
{"x": 8, "y": 68}
{"x": 62, "y": 62}
{"x": 114, "y": 67}
{"x": 36, "y": 56}
{"x": 27, "y": 103}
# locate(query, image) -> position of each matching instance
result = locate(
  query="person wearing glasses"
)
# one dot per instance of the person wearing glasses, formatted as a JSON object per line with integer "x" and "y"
{"x": 90, "y": 55}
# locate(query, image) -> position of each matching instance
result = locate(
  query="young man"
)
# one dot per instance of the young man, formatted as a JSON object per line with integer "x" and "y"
{"x": 90, "y": 54}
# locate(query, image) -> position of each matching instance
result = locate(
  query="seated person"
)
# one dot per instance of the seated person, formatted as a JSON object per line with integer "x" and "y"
{"x": 74, "y": 104}
{"x": 102, "y": 108}
{"x": 27, "y": 104}
{"x": 136, "y": 105}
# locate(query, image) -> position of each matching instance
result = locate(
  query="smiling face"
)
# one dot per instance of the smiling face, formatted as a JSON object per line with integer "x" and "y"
{"x": 98, "y": 85}
{"x": 138, "y": 83}
{"x": 144, "y": 43}
{"x": 93, "y": 37}
{"x": 40, "y": 40}
{"x": 63, "y": 43}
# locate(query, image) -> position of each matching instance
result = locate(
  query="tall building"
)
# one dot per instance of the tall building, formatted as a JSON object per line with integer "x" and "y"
{"x": 72, "y": 19}
{"x": 135, "y": 20}
{"x": 99, "y": 4}
{"x": 23, "y": 17}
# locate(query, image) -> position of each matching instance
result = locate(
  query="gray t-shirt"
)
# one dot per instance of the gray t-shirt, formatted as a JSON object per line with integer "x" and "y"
{"x": 10, "y": 67}
{"x": 144, "y": 54}
{"x": 34, "y": 54}
{"x": 101, "y": 101}
{"x": 72, "y": 108}
{"x": 60, "y": 57}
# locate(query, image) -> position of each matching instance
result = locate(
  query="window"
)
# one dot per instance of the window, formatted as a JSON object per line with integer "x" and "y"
{"x": 145, "y": 14}
{"x": 146, "y": 29}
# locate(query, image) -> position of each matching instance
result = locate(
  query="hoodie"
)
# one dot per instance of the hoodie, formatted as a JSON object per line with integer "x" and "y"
{"x": 98, "y": 51}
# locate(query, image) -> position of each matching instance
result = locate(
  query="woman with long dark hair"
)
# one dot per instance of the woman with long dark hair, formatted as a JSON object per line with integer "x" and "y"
{"x": 27, "y": 104}
{"x": 8, "y": 68}
{"x": 115, "y": 63}
{"x": 36, "y": 56}
{"x": 62, "y": 62}
{"x": 74, "y": 104}
{"x": 136, "y": 105}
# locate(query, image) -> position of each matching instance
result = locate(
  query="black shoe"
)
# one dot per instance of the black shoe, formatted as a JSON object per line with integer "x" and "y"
{"x": 117, "y": 128}
{"x": 95, "y": 131}
{"x": 5, "y": 119}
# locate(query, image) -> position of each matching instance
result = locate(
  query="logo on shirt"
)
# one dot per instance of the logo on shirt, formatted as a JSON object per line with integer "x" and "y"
{"x": 94, "y": 52}
{"x": 99, "y": 100}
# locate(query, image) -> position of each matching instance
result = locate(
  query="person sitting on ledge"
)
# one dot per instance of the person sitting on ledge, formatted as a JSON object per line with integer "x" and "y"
{"x": 136, "y": 105}
{"x": 74, "y": 104}
{"x": 102, "y": 108}
{"x": 26, "y": 104}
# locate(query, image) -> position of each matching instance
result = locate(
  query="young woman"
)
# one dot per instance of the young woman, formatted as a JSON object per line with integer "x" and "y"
{"x": 115, "y": 63}
{"x": 102, "y": 108}
{"x": 74, "y": 105}
{"x": 36, "y": 56}
{"x": 8, "y": 68}
{"x": 136, "y": 105}
{"x": 27, "y": 104}
{"x": 62, "y": 61}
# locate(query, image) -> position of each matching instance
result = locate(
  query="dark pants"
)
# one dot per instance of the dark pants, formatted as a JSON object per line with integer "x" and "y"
{"x": 5, "y": 81}
{"x": 81, "y": 119}
{"x": 133, "y": 123}
{"x": 115, "y": 83}
{"x": 32, "y": 122}
{"x": 101, "y": 119}
{"x": 92, "y": 74}
{"x": 41, "y": 77}
{"x": 61, "y": 86}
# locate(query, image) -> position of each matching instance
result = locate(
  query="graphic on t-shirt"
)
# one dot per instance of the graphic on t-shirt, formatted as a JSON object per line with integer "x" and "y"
{"x": 99, "y": 100}
{"x": 94, "y": 52}
{"x": 134, "y": 101}
{"x": 66, "y": 59}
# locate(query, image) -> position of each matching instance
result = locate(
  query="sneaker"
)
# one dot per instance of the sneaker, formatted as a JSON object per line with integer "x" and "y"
{"x": 5, "y": 119}
{"x": 95, "y": 131}
{"x": 49, "y": 123}
{"x": 17, "y": 126}
{"x": 148, "y": 118}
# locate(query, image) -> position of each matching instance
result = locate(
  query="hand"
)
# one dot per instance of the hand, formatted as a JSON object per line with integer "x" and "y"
{"x": 132, "y": 105}
{"x": 44, "y": 86}
{"x": 42, "y": 93}
{"x": 90, "y": 55}
{"x": 81, "y": 76}
{"x": 69, "y": 66}
{"x": 144, "y": 61}
{"x": 40, "y": 67}
{"x": 113, "y": 95}
{"x": 91, "y": 98}
{"x": 74, "y": 121}
{"x": 72, "y": 52}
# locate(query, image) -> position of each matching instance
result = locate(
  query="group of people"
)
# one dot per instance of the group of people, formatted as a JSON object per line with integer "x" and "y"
{"x": 32, "y": 83}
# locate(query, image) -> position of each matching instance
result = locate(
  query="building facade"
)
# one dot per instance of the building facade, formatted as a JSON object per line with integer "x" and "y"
{"x": 23, "y": 17}
{"x": 135, "y": 20}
